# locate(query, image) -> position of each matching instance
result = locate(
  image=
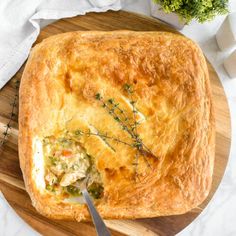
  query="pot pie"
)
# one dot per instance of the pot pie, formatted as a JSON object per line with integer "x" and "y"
{"x": 129, "y": 111}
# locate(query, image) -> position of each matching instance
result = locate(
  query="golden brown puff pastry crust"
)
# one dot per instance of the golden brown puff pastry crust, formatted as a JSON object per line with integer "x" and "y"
{"x": 172, "y": 93}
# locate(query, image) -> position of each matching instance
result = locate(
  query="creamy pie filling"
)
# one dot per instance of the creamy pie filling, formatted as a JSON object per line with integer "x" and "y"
{"x": 67, "y": 164}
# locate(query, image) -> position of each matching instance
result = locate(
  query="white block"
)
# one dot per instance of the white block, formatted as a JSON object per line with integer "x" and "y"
{"x": 226, "y": 35}
{"x": 230, "y": 64}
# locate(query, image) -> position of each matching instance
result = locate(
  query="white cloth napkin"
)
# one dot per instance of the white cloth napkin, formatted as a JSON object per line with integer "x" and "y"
{"x": 20, "y": 22}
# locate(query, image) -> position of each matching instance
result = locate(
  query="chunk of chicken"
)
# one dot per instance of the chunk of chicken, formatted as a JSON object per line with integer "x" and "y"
{"x": 57, "y": 169}
{"x": 50, "y": 178}
{"x": 71, "y": 177}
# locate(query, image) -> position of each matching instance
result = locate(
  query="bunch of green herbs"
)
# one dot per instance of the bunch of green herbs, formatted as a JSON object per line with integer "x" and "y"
{"x": 201, "y": 10}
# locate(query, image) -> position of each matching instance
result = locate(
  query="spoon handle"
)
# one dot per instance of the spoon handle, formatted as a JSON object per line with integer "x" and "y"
{"x": 97, "y": 220}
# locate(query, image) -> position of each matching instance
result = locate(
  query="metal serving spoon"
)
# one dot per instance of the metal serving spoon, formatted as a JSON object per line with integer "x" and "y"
{"x": 98, "y": 222}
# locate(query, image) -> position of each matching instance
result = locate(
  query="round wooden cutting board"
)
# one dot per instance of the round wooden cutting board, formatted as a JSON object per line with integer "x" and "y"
{"x": 11, "y": 181}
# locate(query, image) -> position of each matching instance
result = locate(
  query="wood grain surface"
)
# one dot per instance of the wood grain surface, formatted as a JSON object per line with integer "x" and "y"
{"x": 11, "y": 181}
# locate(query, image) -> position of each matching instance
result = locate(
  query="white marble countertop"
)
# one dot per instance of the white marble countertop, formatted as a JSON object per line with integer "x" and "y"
{"x": 219, "y": 216}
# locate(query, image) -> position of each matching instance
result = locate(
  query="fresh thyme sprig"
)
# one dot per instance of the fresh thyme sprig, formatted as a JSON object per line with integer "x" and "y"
{"x": 102, "y": 136}
{"x": 138, "y": 141}
{"x": 12, "y": 114}
{"x": 127, "y": 124}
